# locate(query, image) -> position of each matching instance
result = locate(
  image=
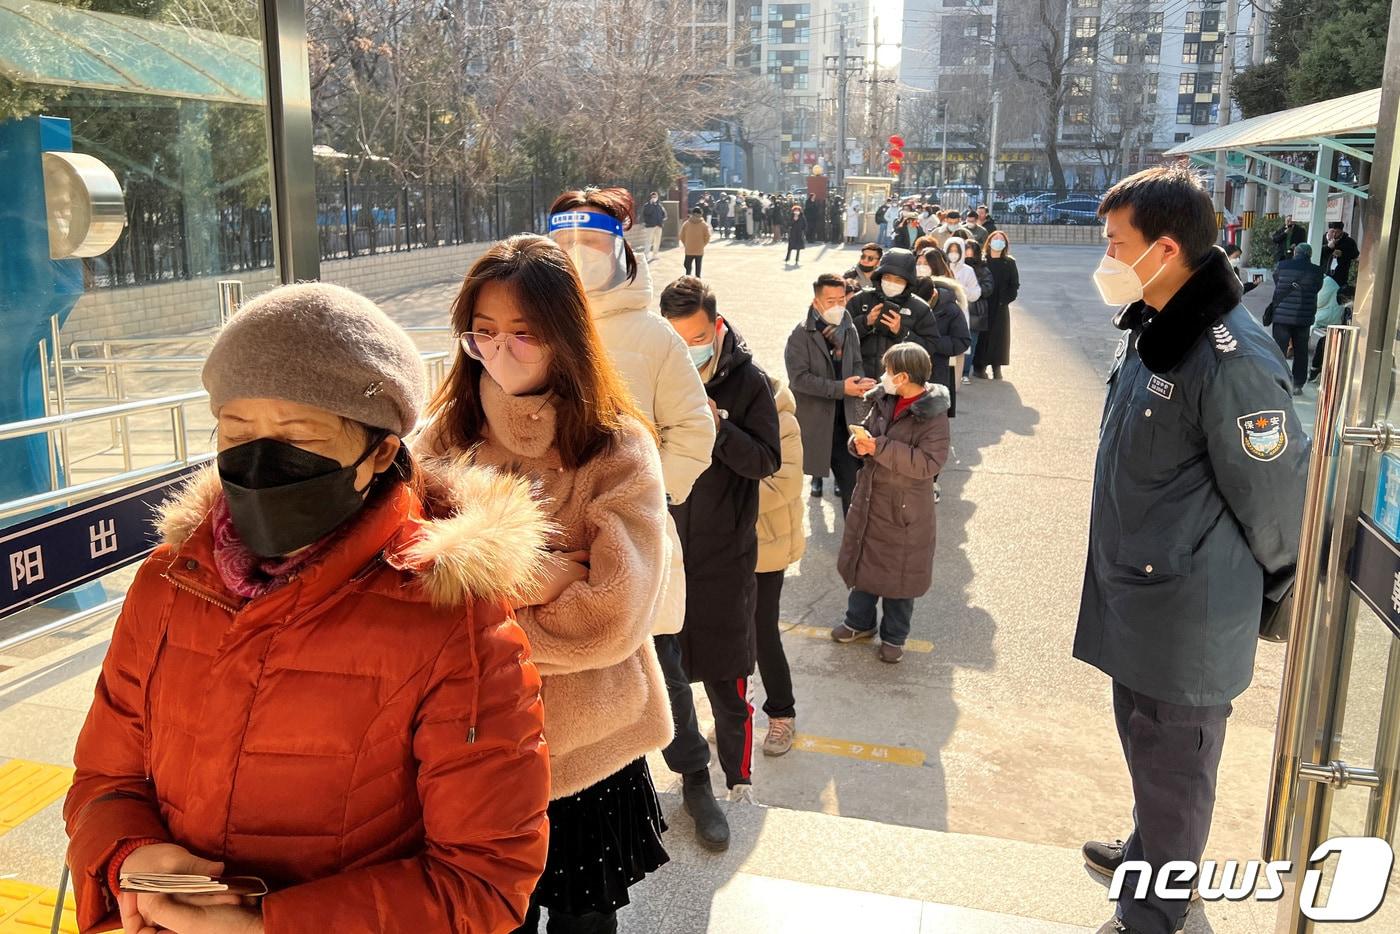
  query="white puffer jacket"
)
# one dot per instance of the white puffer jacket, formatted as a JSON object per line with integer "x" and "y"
{"x": 652, "y": 358}
{"x": 658, "y": 369}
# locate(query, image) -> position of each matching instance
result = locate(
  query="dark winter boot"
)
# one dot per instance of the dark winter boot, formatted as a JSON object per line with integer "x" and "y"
{"x": 711, "y": 826}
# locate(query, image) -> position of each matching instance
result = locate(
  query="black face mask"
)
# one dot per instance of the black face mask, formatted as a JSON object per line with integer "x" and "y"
{"x": 865, "y": 269}
{"x": 282, "y": 497}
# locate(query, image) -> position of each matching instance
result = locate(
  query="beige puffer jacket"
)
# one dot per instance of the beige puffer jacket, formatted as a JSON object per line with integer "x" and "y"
{"x": 782, "y": 540}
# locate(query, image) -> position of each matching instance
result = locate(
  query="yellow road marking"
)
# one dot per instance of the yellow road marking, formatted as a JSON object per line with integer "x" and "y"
{"x": 894, "y": 755}
{"x": 815, "y": 632}
{"x": 28, "y": 909}
{"x": 26, "y": 788}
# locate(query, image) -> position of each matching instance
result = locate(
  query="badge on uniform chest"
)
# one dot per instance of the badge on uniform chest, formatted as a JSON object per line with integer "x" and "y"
{"x": 1160, "y": 387}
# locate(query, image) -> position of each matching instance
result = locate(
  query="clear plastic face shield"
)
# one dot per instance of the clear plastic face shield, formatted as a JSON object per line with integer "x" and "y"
{"x": 594, "y": 241}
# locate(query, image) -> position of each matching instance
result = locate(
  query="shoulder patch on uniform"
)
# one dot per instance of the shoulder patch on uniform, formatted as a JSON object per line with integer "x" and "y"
{"x": 1225, "y": 341}
{"x": 1263, "y": 434}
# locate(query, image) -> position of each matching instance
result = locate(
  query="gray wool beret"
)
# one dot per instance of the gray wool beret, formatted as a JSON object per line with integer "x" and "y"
{"x": 324, "y": 346}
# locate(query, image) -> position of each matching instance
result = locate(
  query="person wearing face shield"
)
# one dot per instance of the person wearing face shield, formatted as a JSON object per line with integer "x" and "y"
{"x": 824, "y": 369}
{"x": 316, "y": 678}
{"x": 1194, "y": 520}
{"x": 532, "y": 394}
{"x": 891, "y": 312}
{"x": 664, "y": 381}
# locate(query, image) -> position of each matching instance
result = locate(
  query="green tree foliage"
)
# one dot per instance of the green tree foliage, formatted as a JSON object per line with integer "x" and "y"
{"x": 1317, "y": 51}
{"x": 1261, "y": 242}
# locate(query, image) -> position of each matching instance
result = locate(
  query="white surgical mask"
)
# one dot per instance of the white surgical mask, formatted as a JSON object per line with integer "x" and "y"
{"x": 1117, "y": 283}
{"x": 887, "y": 383}
{"x": 890, "y": 289}
{"x": 834, "y": 316}
{"x": 954, "y": 259}
{"x": 923, "y": 269}
{"x": 998, "y": 244}
{"x": 516, "y": 378}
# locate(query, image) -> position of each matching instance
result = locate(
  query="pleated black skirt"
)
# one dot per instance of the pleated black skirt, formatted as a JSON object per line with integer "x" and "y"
{"x": 602, "y": 840}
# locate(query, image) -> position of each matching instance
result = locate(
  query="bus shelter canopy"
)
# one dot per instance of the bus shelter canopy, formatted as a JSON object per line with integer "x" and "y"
{"x": 64, "y": 46}
{"x": 1345, "y": 124}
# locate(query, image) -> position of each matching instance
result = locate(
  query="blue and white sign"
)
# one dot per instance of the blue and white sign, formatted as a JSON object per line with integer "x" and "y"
{"x": 55, "y": 552}
{"x": 1385, "y": 512}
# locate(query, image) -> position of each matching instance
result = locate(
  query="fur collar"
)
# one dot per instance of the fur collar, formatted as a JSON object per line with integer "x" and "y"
{"x": 1212, "y": 292}
{"x": 486, "y": 542}
{"x": 934, "y": 402}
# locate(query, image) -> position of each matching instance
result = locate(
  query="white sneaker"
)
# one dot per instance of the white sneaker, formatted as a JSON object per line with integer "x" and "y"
{"x": 742, "y": 793}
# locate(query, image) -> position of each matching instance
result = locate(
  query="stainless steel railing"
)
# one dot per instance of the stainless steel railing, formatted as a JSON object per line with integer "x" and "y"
{"x": 52, "y": 426}
{"x": 58, "y": 625}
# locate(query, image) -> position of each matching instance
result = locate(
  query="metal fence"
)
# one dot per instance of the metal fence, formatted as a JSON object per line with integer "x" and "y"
{"x": 165, "y": 242}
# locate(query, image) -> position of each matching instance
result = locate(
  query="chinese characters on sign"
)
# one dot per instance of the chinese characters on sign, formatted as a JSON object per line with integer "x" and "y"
{"x": 60, "y": 550}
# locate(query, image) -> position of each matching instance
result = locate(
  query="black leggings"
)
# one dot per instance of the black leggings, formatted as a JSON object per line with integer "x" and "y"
{"x": 772, "y": 660}
{"x": 594, "y": 922}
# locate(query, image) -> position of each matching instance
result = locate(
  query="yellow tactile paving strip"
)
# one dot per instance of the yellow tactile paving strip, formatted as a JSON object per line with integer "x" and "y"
{"x": 28, "y": 909}
{"x": 26, "y": 788}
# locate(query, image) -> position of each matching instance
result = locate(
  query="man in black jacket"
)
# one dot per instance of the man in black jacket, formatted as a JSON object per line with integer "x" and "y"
{"x": 718, "y": 529}
{"x": 1287, "y": 237}
{"x": 654, "y": 220}
{"x": 1296, "y": 284}
{"x": 1339, "y": 253}
{"x": 890, "y": 312}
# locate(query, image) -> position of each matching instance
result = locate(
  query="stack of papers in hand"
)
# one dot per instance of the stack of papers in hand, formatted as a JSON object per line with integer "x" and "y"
{"x": 171, "y": 883}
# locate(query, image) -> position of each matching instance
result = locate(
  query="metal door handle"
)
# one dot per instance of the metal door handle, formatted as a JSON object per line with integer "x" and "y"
{"x": 1382, "y": 435}
{"x": 1339, "y": 774}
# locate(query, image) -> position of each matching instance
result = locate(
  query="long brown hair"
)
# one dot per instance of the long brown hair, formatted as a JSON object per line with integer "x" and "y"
{"x": 987, "y": 249}
{"x": 617, "y": 203}
{"x": 592, "y": 399}
{"x": 937, "y": 261}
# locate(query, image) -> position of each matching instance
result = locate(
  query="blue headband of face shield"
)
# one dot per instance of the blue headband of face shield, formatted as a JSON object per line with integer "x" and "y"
{"x": 585, "y": 220}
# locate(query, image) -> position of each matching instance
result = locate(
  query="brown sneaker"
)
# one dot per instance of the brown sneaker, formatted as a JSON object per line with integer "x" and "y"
{"x": 781, "y": 731}
{"x": 891, "y": 654}
{"x": 843, "y": 633}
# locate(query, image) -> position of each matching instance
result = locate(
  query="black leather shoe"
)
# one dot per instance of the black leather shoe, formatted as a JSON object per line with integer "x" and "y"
{"x": 816, "y": 486}
{"x": 711, "y": 826}
{"x": 1102, "y": 857}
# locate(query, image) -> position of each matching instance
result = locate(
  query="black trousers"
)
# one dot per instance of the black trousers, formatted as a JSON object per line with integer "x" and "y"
{"x": 791, "y": 251}
{"x": 772, "y": 660}
{"x": 729, "y": 700}
{"x": 1173, "y": 753}
{"x": 595, "y": 922}
{"x": 693, "y": 261}
{"x": 845, "y": 466}
{"x": 1298, "y": 334}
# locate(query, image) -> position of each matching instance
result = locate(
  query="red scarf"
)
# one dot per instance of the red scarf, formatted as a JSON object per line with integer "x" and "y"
{"x": 249, "y": 575}
{"x": 903, "y": 404}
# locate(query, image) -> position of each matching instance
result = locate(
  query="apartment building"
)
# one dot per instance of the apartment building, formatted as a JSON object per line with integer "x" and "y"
{"x": 1139, "y": 77}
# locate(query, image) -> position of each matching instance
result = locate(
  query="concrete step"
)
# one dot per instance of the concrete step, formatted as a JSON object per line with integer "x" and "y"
{"x": 803, "y": 871}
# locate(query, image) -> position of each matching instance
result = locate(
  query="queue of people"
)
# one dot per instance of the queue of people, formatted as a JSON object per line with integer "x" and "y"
{"x": 593, "y": 513}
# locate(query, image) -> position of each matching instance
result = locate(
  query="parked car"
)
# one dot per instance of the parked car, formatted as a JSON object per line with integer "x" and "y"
{"x": 1084, "y": 211}
{"x": 1031, "y": 205}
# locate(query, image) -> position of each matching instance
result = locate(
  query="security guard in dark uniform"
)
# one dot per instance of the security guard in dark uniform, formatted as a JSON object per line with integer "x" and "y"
{"x": 1197, "y": 504}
